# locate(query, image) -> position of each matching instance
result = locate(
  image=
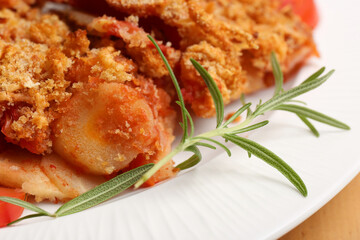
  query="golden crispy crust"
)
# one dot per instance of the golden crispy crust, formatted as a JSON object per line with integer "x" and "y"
{"x": 139, "y": 7}
{"x": 46, "y": 29}
{"x": 114, "y": 111}
{"x": 245, "y": 31}
{"x": 52, "y": 84}
{"x": 42, "y": 66}
{"x": 36, "y": 71}
{"x": 20, "y": 5}
{"x": 224, "y": 69}
{"x": 31, "y": 80}
{"x": 35, "y": 51}
{"x": 137, "y": 44}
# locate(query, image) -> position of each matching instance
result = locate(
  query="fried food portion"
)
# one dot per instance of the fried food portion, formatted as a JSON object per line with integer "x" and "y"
{"x": 273, "y": 29}
{"x": 31, "y": 79}
{"x": 113, "y": 117}
{"x": 105, "y": 128}
{"x": 92, "y": 99}
{"x": 32, "y": 76}
{"x": 83, "y": 108}
{"x": 244, "y": 31}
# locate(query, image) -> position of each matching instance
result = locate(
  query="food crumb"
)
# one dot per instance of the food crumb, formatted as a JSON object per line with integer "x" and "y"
{"x": 236, "y": 120}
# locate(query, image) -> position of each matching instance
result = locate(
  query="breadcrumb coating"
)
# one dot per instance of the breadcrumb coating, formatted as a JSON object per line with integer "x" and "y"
{"x": 224, "y": 69}
{"x": 33, "y": 26}
{"x": 246, "y": 31}
{"x": 113, "y": 110}
{"x": 31, "y": 80}
{"x": 137, "y": 45}
{"x": 51, "y": 81}
{"x": 33, "y": 64}
{"x": 19, "y": 5}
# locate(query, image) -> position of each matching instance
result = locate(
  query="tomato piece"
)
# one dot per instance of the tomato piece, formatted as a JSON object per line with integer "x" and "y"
{"x": 10, "y": 212}
{"x": 306, "y": 9}
{"x": 115, "y": 29}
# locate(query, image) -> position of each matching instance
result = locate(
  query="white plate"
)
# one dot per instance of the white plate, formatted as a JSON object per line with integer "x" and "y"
{"x": 241, "y": 198}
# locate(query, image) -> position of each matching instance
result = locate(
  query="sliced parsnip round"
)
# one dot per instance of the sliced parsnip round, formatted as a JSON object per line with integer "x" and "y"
{"x": 68, "y": 179}
{"x": 104, "y": 128}
{"x": 21, "y": 169}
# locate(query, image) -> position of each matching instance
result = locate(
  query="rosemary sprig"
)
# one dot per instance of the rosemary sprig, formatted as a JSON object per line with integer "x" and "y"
{"x": 190, "y": 143}
{"x": 89, "y": 199}
{"x": 102, "y": 192}
{"x": 277, "y": 102}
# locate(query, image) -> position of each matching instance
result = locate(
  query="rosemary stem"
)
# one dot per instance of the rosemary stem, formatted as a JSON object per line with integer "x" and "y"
{"x": 221, "y": 131}
{"x": 161, "y": 163}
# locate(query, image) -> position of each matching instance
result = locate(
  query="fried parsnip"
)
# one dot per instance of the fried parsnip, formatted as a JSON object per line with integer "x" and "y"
{"x": 82, "y": 108}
